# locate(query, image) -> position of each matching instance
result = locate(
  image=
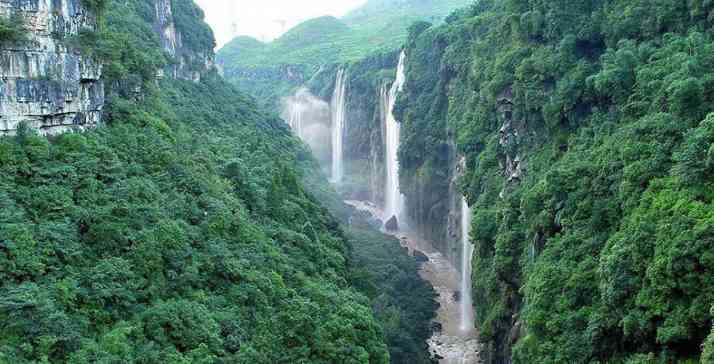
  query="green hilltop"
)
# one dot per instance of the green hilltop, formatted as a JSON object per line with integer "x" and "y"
{"x": 378, "y": 26}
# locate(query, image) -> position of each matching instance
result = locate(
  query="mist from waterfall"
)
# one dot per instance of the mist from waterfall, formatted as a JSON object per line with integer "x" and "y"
{"x": 466, "y": 302}
{"x": 338, "y": 109}
{"x": 394, "y": 200}
{"x": 295, "y": 117}
{"x": 309, "y": 118}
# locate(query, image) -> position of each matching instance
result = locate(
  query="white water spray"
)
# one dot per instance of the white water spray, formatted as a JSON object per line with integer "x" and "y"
{"x": 394, "y": 203}
{"x": 337, "y": 106}
{"x": 303, "y": 111}
{"x": 295, "y": 119}
{"x": 466, "y": 305}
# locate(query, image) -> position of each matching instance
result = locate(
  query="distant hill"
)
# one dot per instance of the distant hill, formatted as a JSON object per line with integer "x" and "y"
{"x": 307, "y": 42}
{"x": 377, "y": 26}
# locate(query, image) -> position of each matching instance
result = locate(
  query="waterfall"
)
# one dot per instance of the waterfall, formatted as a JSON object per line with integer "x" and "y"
{"x": 466, "y": 305}
{"x": 337, "y": 107}
{"x": 305, "y": 113}
{"x": 394, "y": 200}
{"x": 295, "y": 119}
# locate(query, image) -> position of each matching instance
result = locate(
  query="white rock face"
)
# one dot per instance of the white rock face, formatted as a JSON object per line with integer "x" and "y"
{"x": 42, "y": 82}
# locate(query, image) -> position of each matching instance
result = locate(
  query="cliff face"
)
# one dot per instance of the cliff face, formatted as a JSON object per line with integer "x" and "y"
{"x": 188, "y": 63}
{"x": 368, "y": 85}
{"x": 42, "y": 82}
{"x": 586, "y": 146}
{"x": 54, "y": 88}
{"x": 364, "y": 143}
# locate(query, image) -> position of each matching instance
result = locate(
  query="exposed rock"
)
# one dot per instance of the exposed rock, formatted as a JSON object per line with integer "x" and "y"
{"x": 392, "y": 224}
{"x": 457, "y": 296}
{"x": 517, "y": 330}
{"x": 189, "y": 64}
{"x": 511, "y": 132}
{"x": 42, "y": 82}
{"x": 420, "y": 257}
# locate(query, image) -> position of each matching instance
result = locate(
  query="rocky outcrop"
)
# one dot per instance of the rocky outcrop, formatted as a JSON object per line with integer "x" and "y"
{"x": 188, "y": 64}
{"x": 44, "y": 83}
{"x": 392, "y": 224}
{"x": 510, "y": 138}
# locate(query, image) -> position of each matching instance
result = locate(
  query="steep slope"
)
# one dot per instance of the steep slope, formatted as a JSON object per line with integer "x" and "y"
{"x": 191, "y": 227}
{"x": 586, "y": 128}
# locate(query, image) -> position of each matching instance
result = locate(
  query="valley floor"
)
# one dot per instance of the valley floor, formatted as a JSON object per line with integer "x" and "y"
{"x": 450, "y": 343}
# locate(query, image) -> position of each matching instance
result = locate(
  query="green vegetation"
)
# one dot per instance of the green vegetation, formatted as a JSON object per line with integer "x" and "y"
{"x": 708, "y": 354}
{"x": 95, "y": 6}
{"x": 377, "y": 26}
{"x": 602, "y": 250}
{"x": 195, "y": 33}
{"x": 126, "y": 45}
{"x": 192, "y": 227}
{"x": 274, "y": 69}
{"x": 12, "y": 29}
{"x": 173, "y": 235}
{"x": 403, "y": 303}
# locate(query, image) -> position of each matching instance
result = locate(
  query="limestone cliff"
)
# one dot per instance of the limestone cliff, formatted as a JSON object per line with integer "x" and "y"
{"x": 366, "y": 106}
{"x": 42, "y": 81}
{"x": 187, "y": 62}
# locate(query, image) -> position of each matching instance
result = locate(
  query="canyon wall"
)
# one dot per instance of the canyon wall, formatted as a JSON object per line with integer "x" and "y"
{"x": 48, "y": 83}
{"x": 187, "y": 61}
{"x": 42, "y": 81}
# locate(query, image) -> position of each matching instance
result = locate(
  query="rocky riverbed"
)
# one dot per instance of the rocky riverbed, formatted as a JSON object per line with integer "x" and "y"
{"x": 451, "y": 344}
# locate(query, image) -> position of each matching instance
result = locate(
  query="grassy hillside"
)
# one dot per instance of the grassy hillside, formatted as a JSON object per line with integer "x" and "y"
{"x": 383, "y": 24}
{"x": 588, "y": 130}
{"x": 291, "y": 60}
{"x": 308, "y": 43}
{"x": 378, "y": 25}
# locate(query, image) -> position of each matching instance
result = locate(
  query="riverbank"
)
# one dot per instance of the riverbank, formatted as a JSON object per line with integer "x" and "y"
{"x": 449, "y": 343}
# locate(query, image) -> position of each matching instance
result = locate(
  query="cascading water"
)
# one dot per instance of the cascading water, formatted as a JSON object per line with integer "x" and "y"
{"x": 394, "y": 200}
{"x": 337, "y": 107}
{"x": 295, "y": 119}
{"x": 305, "y": 113}
{"x": 466, "y": 305}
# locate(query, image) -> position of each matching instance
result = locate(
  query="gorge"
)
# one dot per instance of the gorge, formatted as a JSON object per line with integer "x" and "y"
{"x": 569, "y": 130}
{"x": 416, "y": 181}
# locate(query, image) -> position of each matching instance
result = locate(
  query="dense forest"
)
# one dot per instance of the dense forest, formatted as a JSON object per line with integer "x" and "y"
{"x": 588, "y": 129}
{"x": 191, "y": 227}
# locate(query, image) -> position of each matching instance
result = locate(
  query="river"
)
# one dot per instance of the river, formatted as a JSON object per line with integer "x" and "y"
{"x": 452, "y": 344}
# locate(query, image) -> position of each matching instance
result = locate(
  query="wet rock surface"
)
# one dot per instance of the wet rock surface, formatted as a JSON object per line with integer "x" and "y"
{"x": 392, "y": 224}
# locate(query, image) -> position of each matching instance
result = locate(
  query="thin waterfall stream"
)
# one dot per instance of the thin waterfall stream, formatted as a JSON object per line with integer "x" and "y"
{"x": 456, "y": 341}
{"x": 450, "y": 344}
{"x": 466, "y": 302}
{"x": 394, "y": 200}
{"x": 315, "y": 121}
{"x": 338, "y": 109}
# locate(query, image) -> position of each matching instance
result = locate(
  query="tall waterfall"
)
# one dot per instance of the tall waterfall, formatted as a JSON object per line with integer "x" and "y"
{"x": 394, "y": 199}
{"x": 466, "y": 305}
{"x": 338, "y": 109}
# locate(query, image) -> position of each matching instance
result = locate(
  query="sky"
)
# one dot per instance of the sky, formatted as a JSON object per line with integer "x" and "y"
{"x": 266, "y": 19}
